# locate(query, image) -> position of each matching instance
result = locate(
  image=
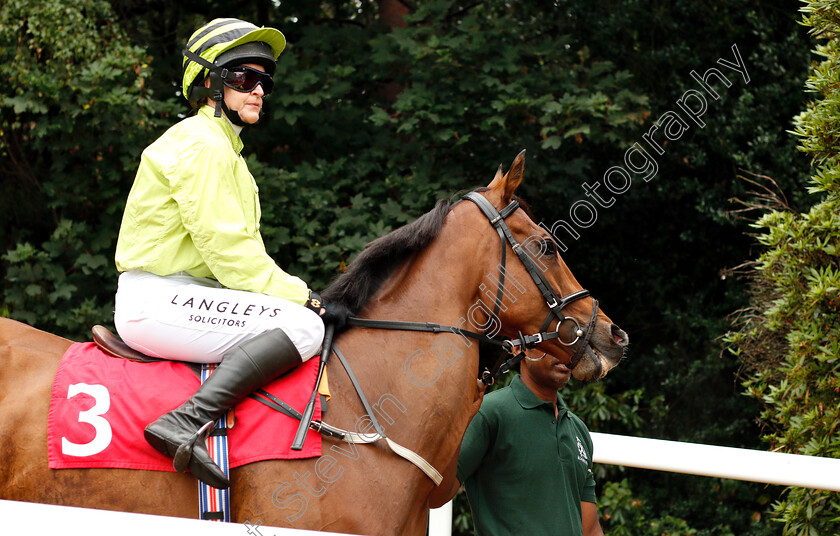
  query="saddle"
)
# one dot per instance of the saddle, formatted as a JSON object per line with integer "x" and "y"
{"x": 113, "y": 345}
{"x": 215, "y": 503}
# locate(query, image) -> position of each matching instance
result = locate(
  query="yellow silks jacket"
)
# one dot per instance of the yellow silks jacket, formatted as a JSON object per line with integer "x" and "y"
{"x": 194, "y": 207}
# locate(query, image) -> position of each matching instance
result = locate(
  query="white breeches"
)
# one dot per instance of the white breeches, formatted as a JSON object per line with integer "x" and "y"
{"x": 186, "y": 318}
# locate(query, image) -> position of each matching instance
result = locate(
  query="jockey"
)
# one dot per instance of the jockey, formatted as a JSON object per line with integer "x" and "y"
{"x": 196, "y": 283}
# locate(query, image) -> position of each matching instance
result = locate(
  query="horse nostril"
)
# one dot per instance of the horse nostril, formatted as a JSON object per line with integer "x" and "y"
{"x": 619, "y": 336}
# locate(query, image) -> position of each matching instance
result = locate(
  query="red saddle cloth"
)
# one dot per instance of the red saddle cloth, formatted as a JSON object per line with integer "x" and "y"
{"x": 100, "y": 406}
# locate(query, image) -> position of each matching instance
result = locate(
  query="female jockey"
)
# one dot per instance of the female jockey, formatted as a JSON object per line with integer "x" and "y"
{"x": 196, "y": 283}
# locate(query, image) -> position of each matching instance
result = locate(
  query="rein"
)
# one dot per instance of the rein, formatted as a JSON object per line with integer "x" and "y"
{"x": 554, "y": 302}
{"x": 323, "y": 428}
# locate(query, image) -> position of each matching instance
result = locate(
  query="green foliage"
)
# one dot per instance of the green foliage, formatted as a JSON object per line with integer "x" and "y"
{"x": 372, "y": 134}
{"x": 789, "y": 343}
{"x": 369, "y": 125}
{"x": 623, "y": 413}
{"x": 666, "y": 285}
{"x": 625, "y": 511}
{"x": 74, "y": 114}
{"x": 625, "y": 515}
{"x": 791, "y": 348}
{"x": 46, "y": 293}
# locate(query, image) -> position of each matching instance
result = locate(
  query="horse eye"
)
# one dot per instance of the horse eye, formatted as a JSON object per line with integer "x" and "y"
{"x": 549, "y": 247}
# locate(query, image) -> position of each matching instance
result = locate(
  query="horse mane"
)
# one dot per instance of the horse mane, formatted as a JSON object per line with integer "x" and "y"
{"x": 378, "y": 260}
{"x": 380, "y": 257}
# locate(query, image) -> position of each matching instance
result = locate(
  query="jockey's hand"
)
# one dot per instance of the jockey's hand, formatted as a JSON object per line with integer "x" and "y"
{"x": 331, "y": 313}
{"x": 336, "y": 314}
{"x": 315, "y": 303}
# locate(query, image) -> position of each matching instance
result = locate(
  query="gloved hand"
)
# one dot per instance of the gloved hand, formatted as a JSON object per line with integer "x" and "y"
{"x": 336, "y": 314}
{"x": 315, "y": 303}
{"x": 331, "y": 313}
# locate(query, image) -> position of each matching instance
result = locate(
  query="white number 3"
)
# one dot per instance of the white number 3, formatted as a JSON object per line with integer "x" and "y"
{"x": 102, "y": 438}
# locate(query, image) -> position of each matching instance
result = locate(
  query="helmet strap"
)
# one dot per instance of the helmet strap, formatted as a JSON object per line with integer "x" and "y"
{"x": 216, "y": 91}
{"x": 232, "y": 115}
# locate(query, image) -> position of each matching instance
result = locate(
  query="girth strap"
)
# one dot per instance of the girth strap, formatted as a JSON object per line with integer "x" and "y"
{"x": 264, "y": 397}
{"x": 398, "y": 449}
{"x": 213, "y": 503}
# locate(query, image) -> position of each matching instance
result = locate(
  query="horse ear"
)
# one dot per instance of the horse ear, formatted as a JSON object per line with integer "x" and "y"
{"x": 506, "y": 185}
{"x": 498, "y": 178}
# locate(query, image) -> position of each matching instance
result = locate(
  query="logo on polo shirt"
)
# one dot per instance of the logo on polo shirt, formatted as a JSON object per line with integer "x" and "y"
{"x": 582, "y": 452}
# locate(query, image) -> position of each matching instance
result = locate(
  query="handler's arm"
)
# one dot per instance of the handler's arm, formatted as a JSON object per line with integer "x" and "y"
{"x": 589, "y": 514}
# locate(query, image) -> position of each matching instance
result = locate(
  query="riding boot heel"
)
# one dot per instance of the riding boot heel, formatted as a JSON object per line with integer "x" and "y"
{"x": 180, "y": 433}
{"x": 189, "y": 453}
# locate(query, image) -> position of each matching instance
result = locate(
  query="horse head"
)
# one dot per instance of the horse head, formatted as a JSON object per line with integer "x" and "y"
{"x": 565, "y": 321}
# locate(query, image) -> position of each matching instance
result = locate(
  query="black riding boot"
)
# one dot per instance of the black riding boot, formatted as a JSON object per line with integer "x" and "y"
{"x": 181, "y": 432}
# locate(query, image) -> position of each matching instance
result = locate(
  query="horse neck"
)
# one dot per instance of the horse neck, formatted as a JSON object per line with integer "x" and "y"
{"x": 435, "y": 372}
{"x": 438, "y": 284}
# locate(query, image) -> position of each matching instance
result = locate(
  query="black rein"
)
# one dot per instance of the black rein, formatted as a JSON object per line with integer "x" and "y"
{"x": 552, "y": 300}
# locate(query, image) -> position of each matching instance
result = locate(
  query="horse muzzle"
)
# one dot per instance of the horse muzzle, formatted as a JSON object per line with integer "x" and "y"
{"x": 604, "y": 351}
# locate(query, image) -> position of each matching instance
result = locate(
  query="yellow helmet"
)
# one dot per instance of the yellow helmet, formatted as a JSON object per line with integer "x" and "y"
{"x": 223, "y": 42}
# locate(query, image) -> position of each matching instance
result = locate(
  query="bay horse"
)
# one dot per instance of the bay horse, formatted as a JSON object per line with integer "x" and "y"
{"x": 446, "y": 267}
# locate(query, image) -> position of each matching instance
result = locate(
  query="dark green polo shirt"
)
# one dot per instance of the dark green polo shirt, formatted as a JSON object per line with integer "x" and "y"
{"x": 526, "y": 472}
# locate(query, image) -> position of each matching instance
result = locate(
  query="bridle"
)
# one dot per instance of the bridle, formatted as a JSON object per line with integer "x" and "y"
{"x": 552, "y": 300}
{"x": 555, "y": 303}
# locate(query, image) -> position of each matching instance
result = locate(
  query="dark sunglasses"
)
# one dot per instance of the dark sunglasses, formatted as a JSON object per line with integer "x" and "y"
{"x": 246, "y": 79}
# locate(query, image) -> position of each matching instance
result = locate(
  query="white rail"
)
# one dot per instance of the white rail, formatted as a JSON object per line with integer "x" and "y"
{"x": 47, "y": 519}
{"x": 690, "y": 458}
{"x": 723, "y": 462}
{"x": 695, "y": 459}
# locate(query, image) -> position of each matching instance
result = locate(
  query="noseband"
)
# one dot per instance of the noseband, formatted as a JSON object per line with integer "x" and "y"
{"x": 554, "y": 302}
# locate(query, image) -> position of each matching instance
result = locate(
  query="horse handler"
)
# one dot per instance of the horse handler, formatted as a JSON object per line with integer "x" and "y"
{"x": 196, "y": 283}
{"x": 526, "y": 460}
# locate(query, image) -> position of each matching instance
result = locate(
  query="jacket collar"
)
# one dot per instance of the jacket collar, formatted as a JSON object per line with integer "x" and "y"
{"x": 224, "y": 126}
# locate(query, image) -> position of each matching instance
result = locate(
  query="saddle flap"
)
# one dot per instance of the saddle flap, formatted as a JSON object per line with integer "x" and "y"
{"x": 114, "y": 346}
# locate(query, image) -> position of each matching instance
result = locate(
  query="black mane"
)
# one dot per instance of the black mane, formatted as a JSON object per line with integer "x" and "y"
{"x": 380, "y": 258}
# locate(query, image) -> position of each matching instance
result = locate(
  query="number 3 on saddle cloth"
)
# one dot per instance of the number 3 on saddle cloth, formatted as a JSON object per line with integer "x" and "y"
{"x": 101, "y": 404}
